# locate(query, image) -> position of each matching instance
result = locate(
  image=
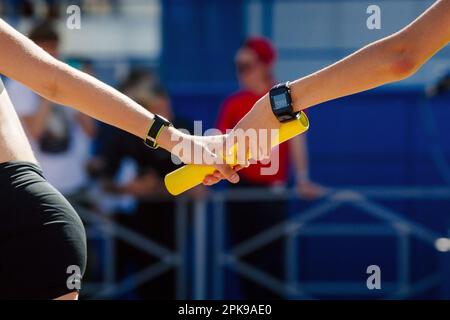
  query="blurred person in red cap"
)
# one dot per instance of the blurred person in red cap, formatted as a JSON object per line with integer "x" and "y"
{"x": 255, "y": 63}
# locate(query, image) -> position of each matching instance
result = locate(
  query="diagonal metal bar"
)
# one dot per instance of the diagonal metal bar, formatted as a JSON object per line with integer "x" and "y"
{"x": 395, "y": 218}
{"x": 282, "y": 228}
{"x": 264, "y": 279}
{"x": 348, "y": 229}
{"x": 433, "y": 192}
{"x": 346, "y": 287}
{"x": 422, "y": 285}
{"x": 402, "y": 193}
{"x": 127, "y": 235}
{"x": 133, "y": 281}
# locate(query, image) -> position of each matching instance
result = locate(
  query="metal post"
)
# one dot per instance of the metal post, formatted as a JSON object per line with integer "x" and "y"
{"x": 403, "y": 259}
{"x": 291, "y": 261}
{"x": 219, "y": 239}
{"x": 181, "y": 238}
{"x": 199, "y": 285}
{"x": 109, "y": 269}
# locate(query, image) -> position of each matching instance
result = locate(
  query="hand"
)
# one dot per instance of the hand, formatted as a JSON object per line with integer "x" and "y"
{"x": 261, "y": 121}
{"x": 309, "y": 190}
{"x": 198, "y": 150}
{"x": 213, "y": 148}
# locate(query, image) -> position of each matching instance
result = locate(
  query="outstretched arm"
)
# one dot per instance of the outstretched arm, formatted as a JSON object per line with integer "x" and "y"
{"x": 390, "y": 59}
{"x": 25, "y": 62}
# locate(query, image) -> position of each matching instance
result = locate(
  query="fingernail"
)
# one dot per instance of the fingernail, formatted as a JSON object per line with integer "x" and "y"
{"x": 234, "y": 178}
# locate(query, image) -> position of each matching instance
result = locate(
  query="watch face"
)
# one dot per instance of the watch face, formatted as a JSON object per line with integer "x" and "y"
{"x": 280, "y": 102}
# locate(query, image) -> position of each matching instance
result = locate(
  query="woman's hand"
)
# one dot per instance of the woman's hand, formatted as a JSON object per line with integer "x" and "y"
{"x": 254, "y": 133}
{"x": 199, "y": 150}
{"x": 260, "y": 118}
{"x": 220, "y": 145}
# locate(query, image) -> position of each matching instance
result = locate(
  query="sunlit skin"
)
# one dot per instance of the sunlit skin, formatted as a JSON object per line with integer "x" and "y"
{"x": 390, "y": 59}
{"x": 35, "y": 124}
{"x": 68, "y": 297}
{"x": 25, "y": 62}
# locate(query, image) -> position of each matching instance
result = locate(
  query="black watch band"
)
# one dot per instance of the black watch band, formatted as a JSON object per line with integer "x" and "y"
{"x": 155, "y": 130}
{"x": 281, "y": 102}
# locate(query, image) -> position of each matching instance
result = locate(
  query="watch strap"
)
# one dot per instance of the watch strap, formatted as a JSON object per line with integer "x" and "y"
{"x": 155, "y": 130}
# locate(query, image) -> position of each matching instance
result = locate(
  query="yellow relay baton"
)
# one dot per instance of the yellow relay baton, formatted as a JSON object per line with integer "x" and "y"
{"x": 191, "y": 175}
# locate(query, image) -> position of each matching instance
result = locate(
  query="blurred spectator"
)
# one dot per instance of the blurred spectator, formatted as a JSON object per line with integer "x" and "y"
{"x": 27, "y": 8}
{"x": 152, "y": 166}
{"x": 60, "y": 136}
{"x": 254, "y": 64}
{"x": 52, "y": 9}
{"x": 154, "y": 215}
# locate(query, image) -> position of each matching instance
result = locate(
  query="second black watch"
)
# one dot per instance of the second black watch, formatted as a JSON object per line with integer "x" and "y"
{"x": 281, "y": 102}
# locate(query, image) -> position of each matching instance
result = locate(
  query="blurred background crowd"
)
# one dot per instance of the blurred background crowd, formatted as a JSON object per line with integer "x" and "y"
{"x": 375, "y": 171}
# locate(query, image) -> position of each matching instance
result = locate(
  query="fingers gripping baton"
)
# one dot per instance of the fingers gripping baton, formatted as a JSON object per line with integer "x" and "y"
{"x": 191, "y": 175}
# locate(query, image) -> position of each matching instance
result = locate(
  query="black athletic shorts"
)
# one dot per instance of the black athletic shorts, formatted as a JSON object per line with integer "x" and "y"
{"x": 42, "y": 239}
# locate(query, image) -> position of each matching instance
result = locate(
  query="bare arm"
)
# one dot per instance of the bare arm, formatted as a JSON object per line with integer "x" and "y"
{"x": 25, "y": 62}
{"x": 390, "y": 59}
{"x": 387, "y": 60}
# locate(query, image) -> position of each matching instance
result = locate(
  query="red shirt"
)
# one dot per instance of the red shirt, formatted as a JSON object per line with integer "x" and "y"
{"x": 234, "y": 109}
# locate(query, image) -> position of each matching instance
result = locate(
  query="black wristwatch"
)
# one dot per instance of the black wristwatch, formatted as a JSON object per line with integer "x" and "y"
{"x": 158, "y": 124}
{"x": 281, "y": 102}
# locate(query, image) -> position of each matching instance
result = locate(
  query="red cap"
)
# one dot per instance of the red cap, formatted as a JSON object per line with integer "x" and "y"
{"x": 263, "y": 49}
